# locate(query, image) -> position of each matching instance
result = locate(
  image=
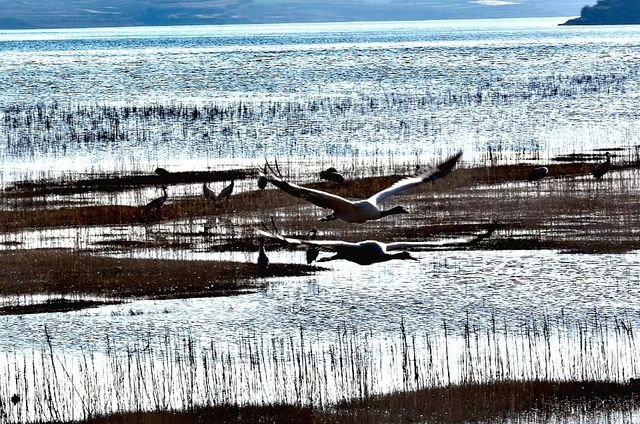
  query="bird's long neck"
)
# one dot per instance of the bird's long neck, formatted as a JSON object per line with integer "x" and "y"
{"x": 393, "y": 211}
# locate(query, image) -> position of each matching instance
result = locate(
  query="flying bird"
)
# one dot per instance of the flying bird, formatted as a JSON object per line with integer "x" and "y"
{"x": 537, "y": 173}
{"x": 331, "y": 174}
{"x": 226, "y": 192}
{"x": 370, "y": 251}
{"x": 368, "y": 209}
{"x": 602, "y": 168}
{"x": 207, "y": 193}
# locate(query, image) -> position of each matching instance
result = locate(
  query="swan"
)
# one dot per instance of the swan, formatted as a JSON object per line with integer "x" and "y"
{"x": 371, "y": 251}
{"x": 362, "y": 211}
{"x": 602, "y": 168}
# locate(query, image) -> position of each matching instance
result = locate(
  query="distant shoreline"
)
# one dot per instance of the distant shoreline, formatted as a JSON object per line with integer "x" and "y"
{"x": 608, "y": 12}
{"x": 227, "y": 24}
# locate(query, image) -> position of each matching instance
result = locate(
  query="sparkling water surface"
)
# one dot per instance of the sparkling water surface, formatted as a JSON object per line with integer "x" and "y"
{"x": 379, "y": 94}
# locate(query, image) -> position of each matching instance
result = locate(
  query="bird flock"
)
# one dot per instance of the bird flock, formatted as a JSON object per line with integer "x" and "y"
{"x": 360, "y": 211}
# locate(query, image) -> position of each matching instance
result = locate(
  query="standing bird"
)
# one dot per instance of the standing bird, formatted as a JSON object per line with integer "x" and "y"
{"x": 226, "y": 192}
{"x": 263, "y": 260}
{"x": 207, "y": 193}
{"x": 312, "y": 251}
{"x": 156, "y": 204}
{"x": 369, "y": 209}
{"x": 537, "y": 173}
{"x": 602, "y": 168}
{"x": 370, "y": 251}
{"x": 262, "y": 181}
{"x": 331, "y": 174}
{"x": 162, "y": 172}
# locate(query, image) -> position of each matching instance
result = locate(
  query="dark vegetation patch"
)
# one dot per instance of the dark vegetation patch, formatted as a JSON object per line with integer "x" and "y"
{"x": 117, "y": 183}
{"x": 452, "y": 404}
{"x": 61, "y": 272}
{"x": 54, "y": 305}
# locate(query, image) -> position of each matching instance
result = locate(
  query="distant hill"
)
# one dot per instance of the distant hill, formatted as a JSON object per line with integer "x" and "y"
{"x": 609, "y": 12}
{"x": 108, "y": 13}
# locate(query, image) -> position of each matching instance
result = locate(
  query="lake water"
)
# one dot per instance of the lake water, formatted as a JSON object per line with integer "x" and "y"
{"x": 380, "y": 94}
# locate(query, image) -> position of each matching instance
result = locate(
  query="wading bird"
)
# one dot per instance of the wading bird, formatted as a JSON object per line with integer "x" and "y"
{"x": 603, "y": 167}
{"x": 363, "y": 210}
{"x": 262, "y": 181}
{"x": 162, "y": 172}
{"x": 263, "y": 260}
{"x": 370, "y": 251}
{"x": 226, "y": 192}
{"x": 157, "y": 203}
{"x": 312, "y": 251}
{"x": 207, "y": 193}
{"x": 537, "y": 173}
{"x": 331, "y": 174}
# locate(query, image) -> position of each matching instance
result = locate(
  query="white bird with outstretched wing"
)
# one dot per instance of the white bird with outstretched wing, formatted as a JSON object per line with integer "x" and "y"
{"x": 369, "y": 209}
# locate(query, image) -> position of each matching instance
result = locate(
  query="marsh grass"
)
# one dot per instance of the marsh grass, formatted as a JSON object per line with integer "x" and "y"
{"x": 61, "y": 272}
{"x": 568, "y": 210}
{"x": 456, "y": 373}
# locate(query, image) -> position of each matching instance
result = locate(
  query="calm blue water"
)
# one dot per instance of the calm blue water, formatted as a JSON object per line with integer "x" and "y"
{"x": 351, "y": 92}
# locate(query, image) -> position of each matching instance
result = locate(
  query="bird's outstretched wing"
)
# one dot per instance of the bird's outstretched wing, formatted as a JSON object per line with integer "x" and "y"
{"x": 432, "y": 174}
{"x": 328, "y": 245}
{"x": 317, "y": 197}
{"x": 459, "y": 242}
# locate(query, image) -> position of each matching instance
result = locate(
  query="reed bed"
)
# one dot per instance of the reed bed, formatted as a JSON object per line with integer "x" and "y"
{"x": 495, "y": 367}
{"x": 381, "y": 128}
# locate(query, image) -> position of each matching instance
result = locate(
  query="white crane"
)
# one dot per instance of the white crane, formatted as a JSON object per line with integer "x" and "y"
{"x": 363, "y": 210}
{"x": 370, "y": 251}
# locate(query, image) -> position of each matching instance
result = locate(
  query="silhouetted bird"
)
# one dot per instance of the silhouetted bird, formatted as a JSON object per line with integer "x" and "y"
{"x": 207, "y": 193}
{"x": 537, "y": 173}
{"x": 226, "y": 192}
{"x": 312, "y": 251}
{"x": 162, "y": 172}
{"x": 15, "y": 399}
{"x": 262, "y": 181}
{"x": 370, "y": 251}
{"x": 331, "y": 174}
{"x": 603, "y": 167}
{"x": 263, "y": 260}
{"x": 369, "y": 209}
{"x": 156, "y": 204}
